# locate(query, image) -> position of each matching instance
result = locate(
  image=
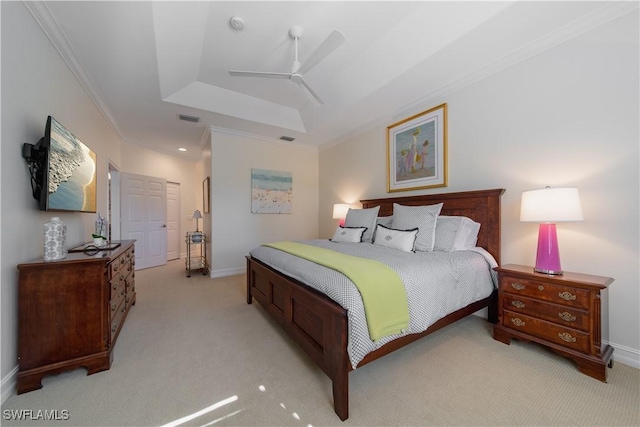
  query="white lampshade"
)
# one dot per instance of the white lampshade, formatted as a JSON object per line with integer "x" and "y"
{"x": 197, "y": 214}
{"x": 551, "y": 205}
{"x": 340, "y": 210}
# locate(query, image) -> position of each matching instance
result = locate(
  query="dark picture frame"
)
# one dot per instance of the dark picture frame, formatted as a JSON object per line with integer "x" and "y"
{"x": 206, "y": 188}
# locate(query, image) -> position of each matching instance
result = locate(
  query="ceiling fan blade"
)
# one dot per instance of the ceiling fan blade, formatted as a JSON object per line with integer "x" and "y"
{"x": 312, "y": 92}
{"x": 329, "y": 44}
{"x": 260, "y": 74}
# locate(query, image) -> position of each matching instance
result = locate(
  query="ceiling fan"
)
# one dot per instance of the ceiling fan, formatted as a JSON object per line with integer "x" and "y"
{"x": 329, "y": 44}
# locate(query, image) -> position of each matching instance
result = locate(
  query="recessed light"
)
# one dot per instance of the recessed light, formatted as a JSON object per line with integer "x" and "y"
{"x": 182, "y": 149}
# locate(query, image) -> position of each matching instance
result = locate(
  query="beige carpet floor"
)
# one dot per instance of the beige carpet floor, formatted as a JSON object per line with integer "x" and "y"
{"x": 192, "y": 352}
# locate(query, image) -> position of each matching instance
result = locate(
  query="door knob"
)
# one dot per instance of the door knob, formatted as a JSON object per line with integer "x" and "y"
{"x": 164, "y": 225}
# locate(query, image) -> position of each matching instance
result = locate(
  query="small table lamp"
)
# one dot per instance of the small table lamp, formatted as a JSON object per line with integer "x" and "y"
{"x": 197, "y": 215}
{"x": 340, "y": 212}
{"x": 548, "y": 206}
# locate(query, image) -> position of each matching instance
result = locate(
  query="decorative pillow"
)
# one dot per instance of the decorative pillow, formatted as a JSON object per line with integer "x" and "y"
{"x": 363, "y": 218}
{"x": 421, "y": 217}
{"x": 395, "y": 239}
{"x": 386, "y": 221}
{"x": 348, "y": 234}
{"x": 455, "y": 233}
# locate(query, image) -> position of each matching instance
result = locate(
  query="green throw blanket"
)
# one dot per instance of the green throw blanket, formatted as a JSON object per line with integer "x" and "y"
{"x": 383, "y": 294}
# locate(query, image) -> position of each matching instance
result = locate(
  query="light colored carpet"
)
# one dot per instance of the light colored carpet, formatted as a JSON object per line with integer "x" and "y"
{"x": 191, "y": 343}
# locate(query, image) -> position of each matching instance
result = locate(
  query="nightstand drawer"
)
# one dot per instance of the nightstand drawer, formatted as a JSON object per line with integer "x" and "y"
{"x": 560, "y": 314}
{"x": 564, "y": 295}
{"x": 567, "y": 337}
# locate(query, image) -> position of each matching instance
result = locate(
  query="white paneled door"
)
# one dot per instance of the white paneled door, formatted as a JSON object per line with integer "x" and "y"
{"x": 143, "y": 217}
{"x": 173, "y": 221}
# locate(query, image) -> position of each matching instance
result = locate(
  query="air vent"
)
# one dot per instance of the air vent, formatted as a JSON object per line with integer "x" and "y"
{"x": 286, "y": 138}
{"x": 186, "y": 118}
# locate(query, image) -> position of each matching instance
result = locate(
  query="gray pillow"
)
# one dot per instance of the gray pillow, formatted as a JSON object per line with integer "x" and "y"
{"x": 421, "y": 217}
{"x": 455, "y": 233}
{"x": 363, "y": 218}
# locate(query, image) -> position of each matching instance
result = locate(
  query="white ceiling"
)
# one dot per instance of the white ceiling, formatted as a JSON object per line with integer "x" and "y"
{"x": 144, "y": 63}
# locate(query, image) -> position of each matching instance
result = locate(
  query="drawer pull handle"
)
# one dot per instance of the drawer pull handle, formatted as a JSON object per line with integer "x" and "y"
{"x": 540, "y": 288}
{"x": 517, "y": 286}
{"x": 517, "y": 304}
{"x": 567, "y": 296}
{"x": 114, "y": 327}
{"x": 566, "y": 337}
{"x": 566, "y": 316}
{"x": 517, "y": 322}
{"x": 113, "y": 306}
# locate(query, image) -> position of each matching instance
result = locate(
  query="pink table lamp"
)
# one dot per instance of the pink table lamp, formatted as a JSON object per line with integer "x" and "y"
{"x": 340, "y": 212}
{"x": 549, "y": 206}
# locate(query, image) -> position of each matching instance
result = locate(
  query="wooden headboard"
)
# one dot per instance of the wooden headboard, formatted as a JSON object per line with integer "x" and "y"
{"x": 481, "y": 206}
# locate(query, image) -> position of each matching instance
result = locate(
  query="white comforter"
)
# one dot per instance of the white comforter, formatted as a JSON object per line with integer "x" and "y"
{"x": 437, "y": 283}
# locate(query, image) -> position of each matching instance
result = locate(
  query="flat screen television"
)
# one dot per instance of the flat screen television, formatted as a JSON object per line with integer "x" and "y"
{"x": 63, "y": 170}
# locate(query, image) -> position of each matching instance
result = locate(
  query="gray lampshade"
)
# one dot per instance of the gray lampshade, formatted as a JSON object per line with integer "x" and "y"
{"x": 197, "y": 214}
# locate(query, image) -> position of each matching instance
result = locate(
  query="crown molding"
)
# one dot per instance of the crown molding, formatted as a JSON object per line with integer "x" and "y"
{"x": 608, "y": 12}
{"x": 601, "y": 16}
{"x": 47, "y": 22}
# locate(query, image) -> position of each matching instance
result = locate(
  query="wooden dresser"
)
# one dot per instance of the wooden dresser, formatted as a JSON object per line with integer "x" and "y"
{"x": 71, "y": 311}
{"x": 562, "y": 312}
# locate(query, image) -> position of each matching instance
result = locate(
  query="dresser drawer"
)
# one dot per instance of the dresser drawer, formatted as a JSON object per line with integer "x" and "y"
{"x": 560, "y": 314}
{"x": 564, "y": 295}
{"x": 116, "y": 283}
{"x": 116, "y": 300}
{"x": 564, "y": 336}
{"x": 117, "y": 318}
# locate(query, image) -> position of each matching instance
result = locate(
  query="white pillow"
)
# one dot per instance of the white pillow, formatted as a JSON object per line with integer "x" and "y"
{"x": 348, "y": 234}
{"x": 363, "y": 218}
{"x": 421, "y": 217}
{"x": 455, "y": 233}
{"x": 395, "y": 239}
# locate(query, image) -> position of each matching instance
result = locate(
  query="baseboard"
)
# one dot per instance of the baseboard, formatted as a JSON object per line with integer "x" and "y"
{"x": 225, "y": 272}
{"x": 625, "y": 355}
{"x": 8, "y": 384}
{"x": 621, "y": 354}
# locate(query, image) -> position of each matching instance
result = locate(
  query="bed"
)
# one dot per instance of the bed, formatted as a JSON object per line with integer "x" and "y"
{"x": 321, "y": 326}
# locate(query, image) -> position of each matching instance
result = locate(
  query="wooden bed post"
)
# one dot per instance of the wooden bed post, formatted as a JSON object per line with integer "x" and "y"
{"x": 341, "y": 366}
{"x": 249, "y": 281}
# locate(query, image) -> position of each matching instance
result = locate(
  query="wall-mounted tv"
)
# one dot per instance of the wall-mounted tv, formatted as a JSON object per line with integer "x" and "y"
{"x": 63, "y": 170}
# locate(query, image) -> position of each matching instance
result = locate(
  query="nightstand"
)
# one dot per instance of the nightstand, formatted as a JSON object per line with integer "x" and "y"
{"x": 562, "y": 312}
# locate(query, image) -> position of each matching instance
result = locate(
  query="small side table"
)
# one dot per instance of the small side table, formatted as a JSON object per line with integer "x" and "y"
{"x": 562, "y": 312}
{"x": 196, "y": 253}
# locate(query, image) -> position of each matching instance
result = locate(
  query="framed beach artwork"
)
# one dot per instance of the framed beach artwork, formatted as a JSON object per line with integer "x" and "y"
{"x": 417, "y": 151}
{"x": 271, "y": 191}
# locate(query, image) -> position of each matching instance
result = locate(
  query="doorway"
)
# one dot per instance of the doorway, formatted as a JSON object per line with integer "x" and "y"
{"x": 173, "y": 221}
{"x": 143, "y": 214}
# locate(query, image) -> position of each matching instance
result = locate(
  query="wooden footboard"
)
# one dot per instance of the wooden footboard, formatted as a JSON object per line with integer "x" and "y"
{"x": 314, "y": 321}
